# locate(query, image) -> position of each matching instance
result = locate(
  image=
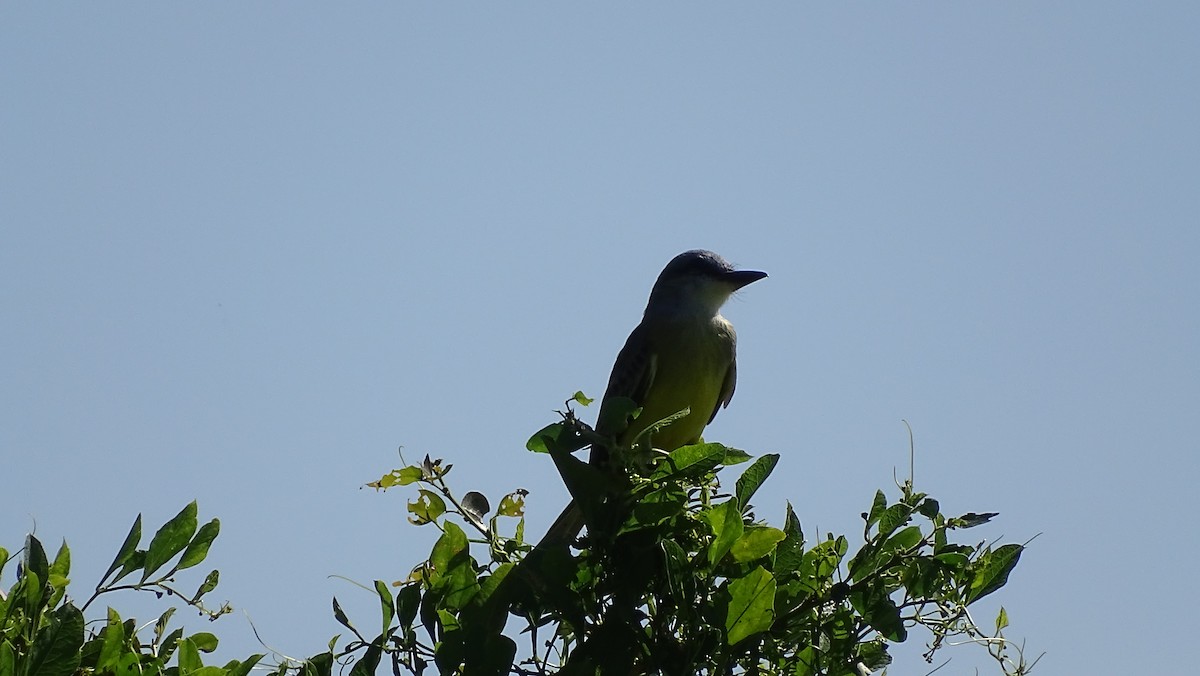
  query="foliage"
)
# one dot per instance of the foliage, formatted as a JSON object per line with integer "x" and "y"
{"x": 43, "y": 633}
{"x": 676, "y": 575}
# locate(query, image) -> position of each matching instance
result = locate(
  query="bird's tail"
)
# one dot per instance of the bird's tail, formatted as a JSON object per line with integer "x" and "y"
{"x": 565, "y": 528}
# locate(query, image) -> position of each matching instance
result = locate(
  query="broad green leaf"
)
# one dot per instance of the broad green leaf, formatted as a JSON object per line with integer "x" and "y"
{"x": 387, "y": 604}
{"x": 751, "y": 605}
{"x": 580, "y": 398}
{"x": 873, "y": 655}
{"x": 877, "y": 506}
{"x": 189, "y": 657}
{"x": 114, "y": 641}
{"x": 170, "y": 540}
{"x": 426, "y": 508}
{"x": 58, "y": 574}
{"x": 197, "y": 549}
{"x": 8, "y": 656}
{"x": 512, "y": 504}
{"x": 893, "y": 517}
{"x": 160, "y": 625}
{"x": 204, "y": 641}
{"x": 903, "y": 540}
{"x": 753, "y": 477}
{"x": 806, "y": 662}
{"x": 452, "y": 541}
{"x": 543, "y": 439}
{"x": 459, "y": 584}
{"x": 726, "y": 522}
{"x": 790, "y": 552}
{"x": 991, "y": 571}
{"x": 1001, "y": 620}
{"x": 489, "y": 653}
{"x": 169, "y": 644}
{"x": 242, "y": 668}
{"x": 756, "y": 543}
{"x": 555, "y": 438}
{"x": 398, "y": 477}
{"x": 407, "y": 601}
{"x": 735, "y": 456}
{"x": 35, "y": 558}
{"x": 929, "y": 508}
{"x": 492, "y": 582}
{"x": 884, "y": 617}
{"x": 62, "y": 562}
{"x": 693, "y": 460}
{"x": 56, "y": 648}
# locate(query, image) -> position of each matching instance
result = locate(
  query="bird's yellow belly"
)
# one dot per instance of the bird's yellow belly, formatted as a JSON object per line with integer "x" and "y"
{"x": 688, "y": 375}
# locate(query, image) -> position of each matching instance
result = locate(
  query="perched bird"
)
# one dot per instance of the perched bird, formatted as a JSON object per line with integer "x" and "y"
{"x": 681, "y": 356}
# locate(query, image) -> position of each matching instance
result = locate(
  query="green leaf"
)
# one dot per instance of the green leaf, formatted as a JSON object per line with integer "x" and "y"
{"x": 903, "y": 540}
{"x": 58, "y": 574}
{"x": 991, "y": 571}
{"x": 791, "y": 551}
{"x": 929, "y": 508}
{"x": 340, "y": 616}
{"x": 408, "y": 599}
{"x": 751, "y": 605}
{"x": 204, "y": 641}
{"x": 197, "y": 549}
{"x": 512, "y": 504}
{"x": 806, "y": 662}
{"x": 694, "y": 460}
{"x": 555, "y": 437}
{"x": 170, "y": 540}
{"x": 114, "y": 641}
{"x": 242, "y": 668}
{"x": 367, "y": 664}
{"x": 1001, "y": 620}
{"x": 753, "y": 477}
{"x": 189, "y": 657}
{"x": 209, "y": 584}
{"x": 56, "y": 649}
{"x": 426, "y": 508}
{"x": 35, "y": 558}
{"x": 398, "y": 477}
{"x": 452, "y": 542}
{"x": 735, "y": 456}
{"x": 387, "y": 604}
{"x": 160, "y": 625}
{"x": 580, "y": 398}
{"x": 893, "y": 517}
{"x": 756, "y": 543}
{"x": 8, "y": 656}
{"x": 726, "y": 522}
{"x": 971, "y": 519}
{"x": 877, "y": 506}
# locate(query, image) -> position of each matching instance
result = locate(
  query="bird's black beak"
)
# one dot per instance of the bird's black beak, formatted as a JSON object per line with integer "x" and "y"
{"x": 739, "y": 278}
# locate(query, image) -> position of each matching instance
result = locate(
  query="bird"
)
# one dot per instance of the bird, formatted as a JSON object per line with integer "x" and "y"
{"x": 683, "y": 355}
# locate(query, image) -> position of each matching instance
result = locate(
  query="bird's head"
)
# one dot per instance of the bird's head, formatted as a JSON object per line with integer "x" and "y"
{"x": 697, "y": 282}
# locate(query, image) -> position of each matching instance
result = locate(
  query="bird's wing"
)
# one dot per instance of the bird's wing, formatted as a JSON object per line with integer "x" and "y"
{"x": 727, "y": 387}
{"x": 729, "y": 384}
{"x": 633, "y": 372}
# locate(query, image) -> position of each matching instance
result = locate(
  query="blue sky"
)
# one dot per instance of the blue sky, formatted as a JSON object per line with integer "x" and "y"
{"x": 250, "y": 249}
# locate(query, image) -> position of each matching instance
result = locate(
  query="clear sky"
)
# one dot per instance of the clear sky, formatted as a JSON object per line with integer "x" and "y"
{"x": 250, "y": 249}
